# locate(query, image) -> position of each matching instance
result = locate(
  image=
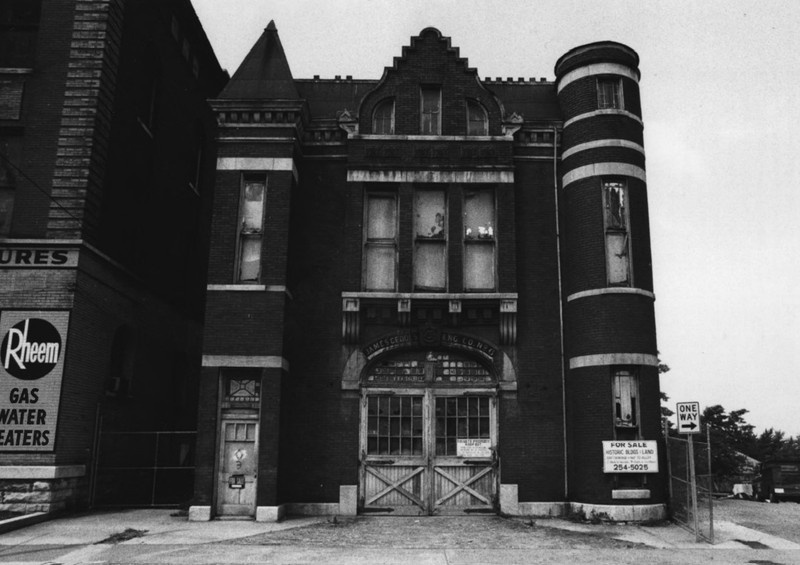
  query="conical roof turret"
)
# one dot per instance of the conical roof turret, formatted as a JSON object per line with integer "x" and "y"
{"x": 264, "y": 73}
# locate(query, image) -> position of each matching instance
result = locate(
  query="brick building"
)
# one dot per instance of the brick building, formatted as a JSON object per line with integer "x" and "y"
{"x": 106, "y": 176}
{"x": 430, "y": 293}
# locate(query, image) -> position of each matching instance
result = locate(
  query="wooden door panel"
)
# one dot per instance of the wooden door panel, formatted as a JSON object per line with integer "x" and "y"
{"x": 396, "y": 489}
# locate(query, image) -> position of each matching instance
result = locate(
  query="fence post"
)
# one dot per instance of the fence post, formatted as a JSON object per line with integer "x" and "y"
{"x": 710, "y": 486}
{"x": 693, "y": 486}
{"x": 669, "y": 460}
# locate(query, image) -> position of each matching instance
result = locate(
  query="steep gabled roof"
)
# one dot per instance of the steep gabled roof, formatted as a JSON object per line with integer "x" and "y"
{"x": 264, "y": 73}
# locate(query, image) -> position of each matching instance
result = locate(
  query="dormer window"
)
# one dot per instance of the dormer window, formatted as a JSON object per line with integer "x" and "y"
{"x": 383, "y": 118}
{"x": 477, "y": 120}
{"x": 431, "y": 114}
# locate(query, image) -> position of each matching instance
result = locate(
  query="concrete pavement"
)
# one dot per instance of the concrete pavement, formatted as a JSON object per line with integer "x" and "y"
{"x": 159, "y": 537}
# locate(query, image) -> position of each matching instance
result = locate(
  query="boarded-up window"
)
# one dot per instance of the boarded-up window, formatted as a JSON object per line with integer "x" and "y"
{"x": 626, "y": 393}
{"x": 609, "y": 93}
{"x": 11, "y": 99}
{"x": 479, "y": 240}
{"x": 618, "y": 264}
{"x": 477, "y": 122}
{"x": 251, "y": 231}
{"x": 431, "y": 102}
{"x": 380, "y": 245}
{"x": 383, "y": 118}
{"x": 430, "y": 249}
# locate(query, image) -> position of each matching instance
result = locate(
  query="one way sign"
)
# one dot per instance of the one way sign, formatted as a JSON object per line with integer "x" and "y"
{"x": 688, "y": 417}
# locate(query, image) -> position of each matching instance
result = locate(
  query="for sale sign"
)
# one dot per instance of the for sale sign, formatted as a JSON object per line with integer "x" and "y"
{"x": 31, "y": 366}
{"x": 630, "y": 456}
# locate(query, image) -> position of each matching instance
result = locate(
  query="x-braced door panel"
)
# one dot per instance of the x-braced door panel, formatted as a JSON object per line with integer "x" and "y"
{"x": 428, "y": 452}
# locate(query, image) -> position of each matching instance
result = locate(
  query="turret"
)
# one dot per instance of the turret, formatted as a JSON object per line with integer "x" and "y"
{"x": 609, "y": 323}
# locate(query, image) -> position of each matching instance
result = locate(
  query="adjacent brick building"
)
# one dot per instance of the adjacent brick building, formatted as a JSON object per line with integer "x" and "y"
{"x": 106, "y": 177}
{"x": 430, "y": 293}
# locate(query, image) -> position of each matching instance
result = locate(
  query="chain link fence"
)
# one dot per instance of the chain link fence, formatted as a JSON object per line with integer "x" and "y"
{"x": 691, "y": 502}
{"x": 143, "y": 469}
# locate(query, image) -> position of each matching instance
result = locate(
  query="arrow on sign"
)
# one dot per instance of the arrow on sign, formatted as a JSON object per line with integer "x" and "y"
{"x": 691, "y": 425}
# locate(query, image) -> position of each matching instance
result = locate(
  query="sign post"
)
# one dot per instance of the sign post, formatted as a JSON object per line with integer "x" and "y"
{"x": 689, "y": 423}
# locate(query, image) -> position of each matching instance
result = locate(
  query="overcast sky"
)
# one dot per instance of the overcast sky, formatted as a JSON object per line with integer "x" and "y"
{"x": 720, "y": 103}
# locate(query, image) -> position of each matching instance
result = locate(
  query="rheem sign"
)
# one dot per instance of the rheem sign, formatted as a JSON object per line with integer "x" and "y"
{"x": 31, "y": 365}
{"x": 688, "y": 417}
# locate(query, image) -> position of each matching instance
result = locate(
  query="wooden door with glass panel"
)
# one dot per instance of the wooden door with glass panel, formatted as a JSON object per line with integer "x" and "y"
{"x": 428, "y": 452}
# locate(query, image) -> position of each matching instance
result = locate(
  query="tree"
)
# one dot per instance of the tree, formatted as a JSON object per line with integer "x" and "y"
{"x": 731, "y": 439}
{"x": 666, "y": 413}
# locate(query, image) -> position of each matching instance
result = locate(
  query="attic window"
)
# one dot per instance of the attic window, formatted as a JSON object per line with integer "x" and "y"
{"x": 383, "y": 118}
{"x": 477, "y": 121}
{"x": 431, "y": 115}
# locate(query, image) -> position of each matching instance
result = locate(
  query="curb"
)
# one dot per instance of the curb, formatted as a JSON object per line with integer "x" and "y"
{"x": 23, "y": 521}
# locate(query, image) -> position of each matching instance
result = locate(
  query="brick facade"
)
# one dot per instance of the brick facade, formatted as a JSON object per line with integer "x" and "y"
{"x": 555, "y": 329}
{"x": 109, "y": 229}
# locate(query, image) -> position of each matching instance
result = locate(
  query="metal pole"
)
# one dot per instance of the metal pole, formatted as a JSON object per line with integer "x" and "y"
{"x": 693, "y": 487}
{"x": 669, "y": 460}
{"x": 710, "y": 486}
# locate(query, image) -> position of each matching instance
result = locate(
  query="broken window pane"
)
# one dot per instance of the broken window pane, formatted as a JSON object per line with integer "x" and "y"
{"x": 479, "y": 215}
{"x": 253, "y": 206}
{"x": 615, "y": 204}
{"x": 429, "y": 213}
{"x": 625, "y": 394}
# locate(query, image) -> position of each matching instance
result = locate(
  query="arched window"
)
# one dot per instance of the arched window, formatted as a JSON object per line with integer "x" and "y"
{"x": 383, "y": 118}
{"x": 477, "y": 121}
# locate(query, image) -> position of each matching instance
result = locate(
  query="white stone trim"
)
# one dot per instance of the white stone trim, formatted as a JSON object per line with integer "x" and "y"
{"x": 434, "y": 295}
{"x": 41, "y": 472}
{"x": 255, "y": 164}
{"x": 630, "y": 493}
{"x": 604, "y": 359}
{"x": 238, "y": 287}
{"x": 433, "y": 176}
{"x": 254, "y": 361}
{"x": 270, "y": 513}
{"x": 596, "y": 69}
{"x": 199, "y": 513}
{"x": 603, "y": 169}
{"x": 610, "y": 290}
{"x": 620, "y": 512}
{"x": 604, "y": 112}
{"x": 602, "y": 143}
{"x": 383, "y": 137}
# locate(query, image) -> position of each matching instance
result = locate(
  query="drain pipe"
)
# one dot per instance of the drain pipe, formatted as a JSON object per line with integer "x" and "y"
{"x": 560, "y": 312}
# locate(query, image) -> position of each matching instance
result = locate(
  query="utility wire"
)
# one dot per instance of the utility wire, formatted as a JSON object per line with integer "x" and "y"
{"x": 35, "y": 184}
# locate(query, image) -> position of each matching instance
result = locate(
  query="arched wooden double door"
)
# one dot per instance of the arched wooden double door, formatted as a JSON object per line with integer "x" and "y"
{"x": 428, "y": 436}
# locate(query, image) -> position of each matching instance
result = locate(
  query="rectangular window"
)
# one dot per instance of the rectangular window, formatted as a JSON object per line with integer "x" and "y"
{"x": 609, "y": 93}
{"x": 394, "y": 425}
{"x": 479, "y": 240}
{"x": 251, "y": 229}
{"x": 460, "y": 418}
{"x": 626, "y": 398}
{"x": 6, "y": 209}
{"x": 430, "y": 240}
{"x": 380, "y": 242}
{"x": 617, "y": 227}
{"x": 431, "y": 102}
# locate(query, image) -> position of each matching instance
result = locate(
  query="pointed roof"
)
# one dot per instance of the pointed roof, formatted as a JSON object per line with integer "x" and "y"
{"x": 264, "y": 73}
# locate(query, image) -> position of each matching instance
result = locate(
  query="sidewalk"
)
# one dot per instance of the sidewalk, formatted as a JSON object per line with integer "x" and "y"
{"x": 157, "y": 536}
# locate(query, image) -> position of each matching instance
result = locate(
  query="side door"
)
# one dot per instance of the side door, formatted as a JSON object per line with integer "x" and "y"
{"x": 464, "y": 464}
{"x": 394, "y": 453}
{"x": 238, "y": 468}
